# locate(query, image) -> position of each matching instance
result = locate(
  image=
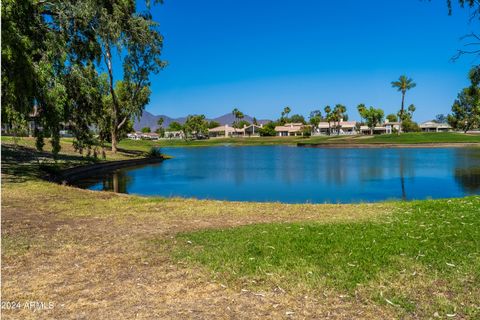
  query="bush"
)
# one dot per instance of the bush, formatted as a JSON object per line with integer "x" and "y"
{"x": 154, "y": 153}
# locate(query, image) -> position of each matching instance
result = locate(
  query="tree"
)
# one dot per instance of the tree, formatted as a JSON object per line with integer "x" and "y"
{"x": 361, "y": 109}
{"x": 119, "y": 28}
{"x": 146, "y": 130}
{"x": 195, "y": 125}
{"x": 339, "y": 114}
{"x": 392, "y": 117}
{"x": 372, "y": 117}
{"x": 255, "y": 122}
{"x": 440, "y": 118}
{"x": 297, "y": 118}
{"x": 328, "y": 117}
{"x": 268, "y": 130}
{"x": 59, "y": 42}
{"x": 160, "y": 121}
{"x": 240, "y": 124}
{"x": 175, "y": 126}
{"x": 213, "y": 124}
{"x": 286, "y": 111}
{"x": 238, "y": 115}
{"x": 466, "y": 108}
{"x": 315, "y": 118}
{"x": 403, "y": 84}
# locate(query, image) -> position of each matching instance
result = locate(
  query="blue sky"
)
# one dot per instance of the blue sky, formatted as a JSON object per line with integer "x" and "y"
{"x": 260, "y": 56}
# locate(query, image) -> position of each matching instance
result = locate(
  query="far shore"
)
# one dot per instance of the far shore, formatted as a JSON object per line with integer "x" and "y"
{"x": 388, "y": 145}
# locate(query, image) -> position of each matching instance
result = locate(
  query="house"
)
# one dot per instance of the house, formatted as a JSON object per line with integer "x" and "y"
{"x": 174, "y": 134}
{"x": 344, "y": 127}
{"x": 290, "y": 129}
{"x": 391, "y": 127}
{"x": 253, "y": 130}
{"x": 431, "y": 126}
{"x": 144, "y": 136}
{"x": 226, "y": 131}
{"x": 376, "y": 130}
{"x": 150, "y": 136}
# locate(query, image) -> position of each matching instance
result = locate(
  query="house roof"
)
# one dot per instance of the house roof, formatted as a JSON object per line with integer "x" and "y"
{"x": 432, "y": 124}
{"x": 343, "y": 124}
{"x": 225, "y": 128}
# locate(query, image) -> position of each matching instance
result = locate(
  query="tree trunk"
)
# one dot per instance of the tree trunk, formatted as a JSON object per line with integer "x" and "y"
{"x": 401, "y": 112}
{"x": 114, "y": 139}
{"x": 114, "y": 129}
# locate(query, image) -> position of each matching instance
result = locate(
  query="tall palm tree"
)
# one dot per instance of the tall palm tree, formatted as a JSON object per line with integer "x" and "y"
{"x": 285, "y": 112}
{"x": 339, "y": 112}
{"x": 328, "y": 116}
{"x": 403, "y": 84}
{"x": 238, "y": 115}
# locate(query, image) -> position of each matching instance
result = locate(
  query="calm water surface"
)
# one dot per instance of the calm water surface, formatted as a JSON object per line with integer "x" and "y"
{"x": 299, "y": 175}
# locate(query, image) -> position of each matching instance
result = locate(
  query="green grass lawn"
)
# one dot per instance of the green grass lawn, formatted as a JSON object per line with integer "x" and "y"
{"x": 404, "y": 138}
{"x": 426, "y": 241}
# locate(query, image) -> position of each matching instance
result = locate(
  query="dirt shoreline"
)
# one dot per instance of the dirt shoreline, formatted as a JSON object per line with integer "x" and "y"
{"x": 389, "y": 145}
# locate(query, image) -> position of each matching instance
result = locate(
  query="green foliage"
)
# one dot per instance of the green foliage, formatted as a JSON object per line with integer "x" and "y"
{"x": 240, "y": 124}
{"x": 466, "y": 109}
{"x": 195, "y": 126}
{"x": 146, "y": 130}
{"x": 160, "y": 122}
{"x": 175, "y": 126}
{"x": 268, "y": 130}
{"x": 296, "y": 118}
{"x": 372, "y": 117}
{"x": 315, "y": 118}
{"x": 213, "y": 124}
{"x": 154, "y": 152}
{"x": 392, "y": 117}
{"x": 408, "y": 125}
{"x": 403, "y": 84}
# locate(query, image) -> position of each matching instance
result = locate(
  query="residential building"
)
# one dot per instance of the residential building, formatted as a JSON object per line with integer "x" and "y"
{"x": 290, "y": 129}
{"x": 431, "y": 126}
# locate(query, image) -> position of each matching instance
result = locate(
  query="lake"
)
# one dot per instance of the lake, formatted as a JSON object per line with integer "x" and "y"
{"x": 300, "y": 175}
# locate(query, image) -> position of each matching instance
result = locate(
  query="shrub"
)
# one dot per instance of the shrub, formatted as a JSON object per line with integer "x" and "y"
{"x": 154, "y": 153}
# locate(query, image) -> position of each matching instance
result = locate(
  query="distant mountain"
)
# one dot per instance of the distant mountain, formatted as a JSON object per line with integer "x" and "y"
{"x": 150, "y": 120}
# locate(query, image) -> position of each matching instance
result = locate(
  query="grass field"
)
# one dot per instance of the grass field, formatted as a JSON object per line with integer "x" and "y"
{"x": 110, "y": 256}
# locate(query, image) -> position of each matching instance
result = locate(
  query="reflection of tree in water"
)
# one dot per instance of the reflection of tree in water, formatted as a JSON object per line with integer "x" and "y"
{"x": 469, "y": 179}
{"x": 117, "y": 181}
{"x": 467, "y": 170}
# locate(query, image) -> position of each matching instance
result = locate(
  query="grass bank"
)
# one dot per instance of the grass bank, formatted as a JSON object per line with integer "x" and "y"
{"x": 109, "y": 256}
{"x": 404, "y": 138}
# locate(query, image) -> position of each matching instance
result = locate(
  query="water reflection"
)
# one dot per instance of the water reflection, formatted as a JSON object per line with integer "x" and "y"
{"x": 467, "y": 171}
{"x": 297, "y": 175}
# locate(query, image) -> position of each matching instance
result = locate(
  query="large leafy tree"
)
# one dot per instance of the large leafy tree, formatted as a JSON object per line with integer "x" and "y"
{"x": 339, "y": 114}
{"x": 466, "y": 108}
{"x": 372, "y": 117}
{"x": 403, "y": 84}
{"x": 58, "y": 48}
{"x": 196, "y": 126}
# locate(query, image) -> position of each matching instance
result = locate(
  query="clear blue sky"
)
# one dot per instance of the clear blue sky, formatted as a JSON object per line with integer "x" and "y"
{"x": 260, "y": 56}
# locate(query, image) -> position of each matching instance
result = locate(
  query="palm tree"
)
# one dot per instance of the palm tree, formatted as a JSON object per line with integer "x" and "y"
{"x": 328, "y": 116}
{"x": 403, "y": 84}
{"x": 339, "y": 111}
{"x": 286, "y": 111}
{"x": 238, "y": 115}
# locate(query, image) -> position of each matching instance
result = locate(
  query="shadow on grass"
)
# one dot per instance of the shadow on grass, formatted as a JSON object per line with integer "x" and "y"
{"x": 21, "y": 163}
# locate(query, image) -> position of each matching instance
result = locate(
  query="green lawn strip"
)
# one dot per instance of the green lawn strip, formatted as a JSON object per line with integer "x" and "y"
{"x": 404, "y": 138}
{"x": 441, "y": 236}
